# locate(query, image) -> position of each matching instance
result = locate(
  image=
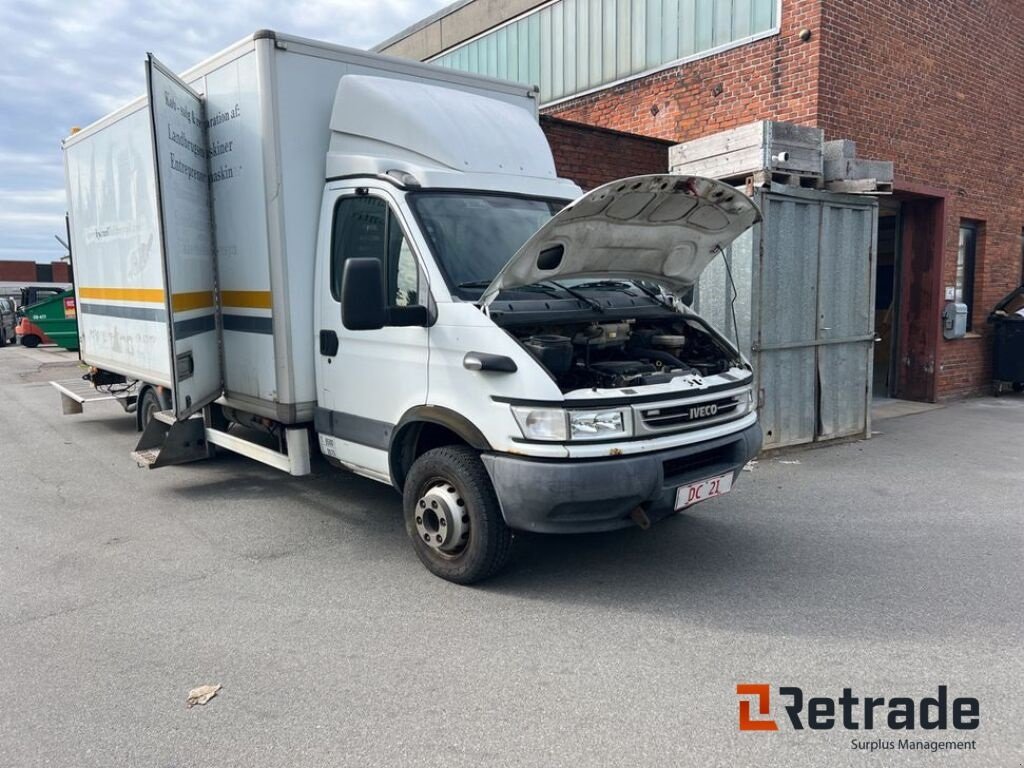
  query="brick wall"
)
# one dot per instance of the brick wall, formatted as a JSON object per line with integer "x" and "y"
{"x": 934, "y": 86}
{"x": 594, "y": 156}
{"x": 29, "y": 272}
{"x": 61, "y": 272}
{"x": 18, "y": 271}
{"x": 938, "y": 88}
{"x": 772, "y": 78}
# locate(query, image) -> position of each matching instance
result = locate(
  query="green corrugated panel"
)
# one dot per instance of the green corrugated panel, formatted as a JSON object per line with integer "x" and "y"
{"x": 638, "y": 36}
{"x": 545, "y": 53}
{"x": 501, "y": 36}
{"x": 533, "y": 29}
{"x": 608, "y": 40}
{"x": 596, "y": 41}
{"x": 742, "y": 21}
{"x": 722, "y": 25}
{"x": 687, "y": 28}
{"x": 572, "y": 46}
{"x": 704, "y": 25}
{"x": 623, "y": 27}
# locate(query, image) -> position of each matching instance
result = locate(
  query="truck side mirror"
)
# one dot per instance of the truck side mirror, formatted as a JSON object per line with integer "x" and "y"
{"x": 362, "y": 295}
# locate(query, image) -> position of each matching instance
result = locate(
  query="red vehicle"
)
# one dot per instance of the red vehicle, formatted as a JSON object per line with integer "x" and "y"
{"x": 30, "y": 334}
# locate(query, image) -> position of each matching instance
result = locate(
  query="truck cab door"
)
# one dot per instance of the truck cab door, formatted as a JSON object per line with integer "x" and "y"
{"x": 367, "y": 379}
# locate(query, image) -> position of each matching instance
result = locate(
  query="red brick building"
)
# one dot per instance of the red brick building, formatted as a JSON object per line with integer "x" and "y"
{"x": 29, "y": 272}
{"x": 937, "y": 87}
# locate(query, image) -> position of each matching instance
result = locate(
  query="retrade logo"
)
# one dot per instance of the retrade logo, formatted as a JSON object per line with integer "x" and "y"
{"x": 762, "y": 694}
{"x": 850, "y": 712}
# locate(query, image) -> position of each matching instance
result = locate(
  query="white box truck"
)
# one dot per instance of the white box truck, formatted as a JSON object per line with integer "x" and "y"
{"x": 315, "y": 241}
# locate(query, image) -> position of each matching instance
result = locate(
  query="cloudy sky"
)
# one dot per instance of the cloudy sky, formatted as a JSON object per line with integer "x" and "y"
{"x": 69, "y": 63}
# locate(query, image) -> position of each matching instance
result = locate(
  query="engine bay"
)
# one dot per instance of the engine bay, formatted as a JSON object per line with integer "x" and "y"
{"x": 625, "y": 353}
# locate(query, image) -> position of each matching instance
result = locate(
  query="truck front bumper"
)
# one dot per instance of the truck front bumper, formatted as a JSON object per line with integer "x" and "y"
{"x": 585, "y": 496}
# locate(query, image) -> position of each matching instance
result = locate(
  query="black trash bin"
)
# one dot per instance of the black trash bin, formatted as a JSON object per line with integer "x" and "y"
{"x": 1008, "y": 346}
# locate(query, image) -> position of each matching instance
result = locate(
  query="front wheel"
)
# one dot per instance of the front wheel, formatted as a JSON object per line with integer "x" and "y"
{"x": 453, "y": 517}
{"x": 30, "y": 341}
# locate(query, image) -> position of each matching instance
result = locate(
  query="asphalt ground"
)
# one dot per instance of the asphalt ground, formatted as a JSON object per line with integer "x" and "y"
{"x": 889, "y": 566}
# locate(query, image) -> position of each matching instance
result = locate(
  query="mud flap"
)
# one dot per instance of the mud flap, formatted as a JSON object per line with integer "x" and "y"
{"x": 165, "y": 443}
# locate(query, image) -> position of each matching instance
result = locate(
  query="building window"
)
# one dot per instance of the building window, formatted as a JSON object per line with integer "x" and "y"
{"x": 571, "y": 46}
{"x": 965, "y": 258}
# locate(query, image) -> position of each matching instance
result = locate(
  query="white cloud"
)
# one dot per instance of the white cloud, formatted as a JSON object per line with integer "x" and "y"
{"x": 68, "y": 64}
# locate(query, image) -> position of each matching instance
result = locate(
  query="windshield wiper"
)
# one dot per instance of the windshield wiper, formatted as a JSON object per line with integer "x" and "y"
{"x": 475, "y": 284}
{"x": 594, "y": 303}
{"x": 654, "y": 295}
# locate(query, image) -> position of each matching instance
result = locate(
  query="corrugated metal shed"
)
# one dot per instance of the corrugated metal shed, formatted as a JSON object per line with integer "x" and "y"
{"x": 804, "y": 287}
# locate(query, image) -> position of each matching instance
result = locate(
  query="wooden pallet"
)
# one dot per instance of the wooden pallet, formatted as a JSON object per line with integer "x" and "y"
{"x": 784, "y": 151}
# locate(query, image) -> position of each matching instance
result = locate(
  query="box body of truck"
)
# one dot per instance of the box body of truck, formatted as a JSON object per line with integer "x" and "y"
{"x": 268, "y": 107}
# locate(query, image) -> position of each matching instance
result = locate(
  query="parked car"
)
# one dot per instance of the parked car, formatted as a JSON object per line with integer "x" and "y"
{"x": 8, "y": 321}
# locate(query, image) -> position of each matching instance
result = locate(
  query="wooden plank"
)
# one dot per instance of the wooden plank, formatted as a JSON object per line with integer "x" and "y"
{"x": 760, "y": 146}
{"x": 733, "y": 164}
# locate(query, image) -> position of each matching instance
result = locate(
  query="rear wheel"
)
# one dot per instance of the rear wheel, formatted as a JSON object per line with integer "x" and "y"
{"x": 149, "y": 406}
{"x": 453, "y": 517}
{"x": 30, "y": 341}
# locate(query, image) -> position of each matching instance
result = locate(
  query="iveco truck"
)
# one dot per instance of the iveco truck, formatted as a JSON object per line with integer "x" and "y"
{"x": 376, "y": 258}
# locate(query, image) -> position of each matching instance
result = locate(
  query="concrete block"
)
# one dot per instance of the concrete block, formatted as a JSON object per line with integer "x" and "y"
{"x": 849, "y": 169}
{"x": 840, "y": 149}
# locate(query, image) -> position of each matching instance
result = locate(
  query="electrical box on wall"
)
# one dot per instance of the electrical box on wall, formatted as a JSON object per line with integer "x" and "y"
{"x": 954, "y": 320}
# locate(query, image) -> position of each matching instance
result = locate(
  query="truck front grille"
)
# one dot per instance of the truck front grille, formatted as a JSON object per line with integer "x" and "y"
{"x": 692, "y": 413}
{"x": 677, "y": 415}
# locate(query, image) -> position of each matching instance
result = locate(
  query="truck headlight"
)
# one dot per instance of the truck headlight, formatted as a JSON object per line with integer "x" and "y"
{"x": 556, "y": 424}
{"x": 541, "y": 423}
{"x": 598, "y": 425}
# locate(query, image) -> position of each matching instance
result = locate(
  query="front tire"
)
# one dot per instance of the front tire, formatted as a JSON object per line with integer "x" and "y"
{"x": 31, "y": 341}
{"x": 453, "y": 517}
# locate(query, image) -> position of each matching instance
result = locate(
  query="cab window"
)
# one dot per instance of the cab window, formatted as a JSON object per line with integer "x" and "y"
{"x": 366, "y": 227}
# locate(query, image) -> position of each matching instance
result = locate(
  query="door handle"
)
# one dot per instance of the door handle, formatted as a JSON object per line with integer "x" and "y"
{"x": 328, "y": 343}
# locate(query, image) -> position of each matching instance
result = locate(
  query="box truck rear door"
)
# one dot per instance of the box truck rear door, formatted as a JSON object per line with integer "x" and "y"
{"x": 177, "y": 116}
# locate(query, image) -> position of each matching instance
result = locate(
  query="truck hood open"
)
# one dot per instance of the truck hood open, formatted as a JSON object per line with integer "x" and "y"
{"x": 661, "y": 228}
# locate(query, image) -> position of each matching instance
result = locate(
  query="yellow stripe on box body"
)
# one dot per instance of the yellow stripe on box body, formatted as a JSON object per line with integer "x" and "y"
{"x": 246, "y": 299}
{"x": 183, "y": 302}
{"x": 149, "y": 295}
{"x": 180, "y": 302}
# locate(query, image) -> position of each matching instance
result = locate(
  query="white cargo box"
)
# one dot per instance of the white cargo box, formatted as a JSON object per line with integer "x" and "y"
{"x": 155, "y": 304}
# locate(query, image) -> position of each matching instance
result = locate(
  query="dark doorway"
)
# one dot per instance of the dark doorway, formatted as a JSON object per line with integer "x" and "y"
{"x": 917, "y": 326}
{"x": 887, "y": 285}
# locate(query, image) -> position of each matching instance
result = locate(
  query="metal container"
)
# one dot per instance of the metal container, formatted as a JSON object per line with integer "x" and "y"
{"x": 1008, "y": 341}
{"x": 803, "y": 309}
{"x": 54, "y": 320}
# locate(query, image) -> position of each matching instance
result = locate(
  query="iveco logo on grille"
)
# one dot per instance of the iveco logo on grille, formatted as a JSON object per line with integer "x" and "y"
{"x": 703, "y": 411}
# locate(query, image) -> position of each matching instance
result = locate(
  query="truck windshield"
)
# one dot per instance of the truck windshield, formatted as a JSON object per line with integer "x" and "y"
{"x": 473, "y": 234}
